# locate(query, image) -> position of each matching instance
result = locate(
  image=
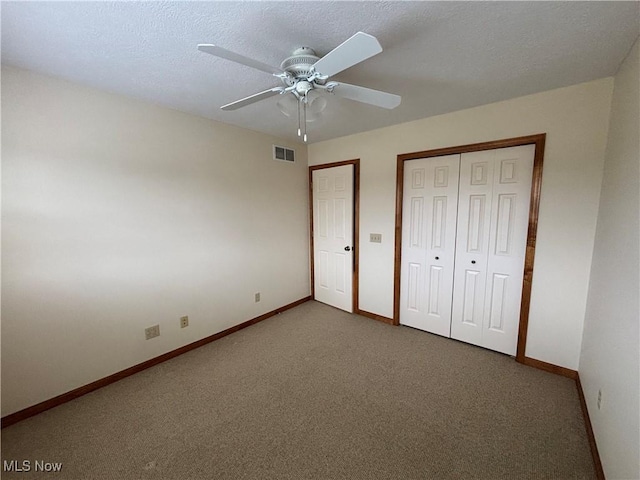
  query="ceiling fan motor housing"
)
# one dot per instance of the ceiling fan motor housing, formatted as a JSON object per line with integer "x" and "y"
{"x": 300, "y": 63}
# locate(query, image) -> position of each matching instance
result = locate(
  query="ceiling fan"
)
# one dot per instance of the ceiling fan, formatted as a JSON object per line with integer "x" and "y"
{"x": 304, "y": 72}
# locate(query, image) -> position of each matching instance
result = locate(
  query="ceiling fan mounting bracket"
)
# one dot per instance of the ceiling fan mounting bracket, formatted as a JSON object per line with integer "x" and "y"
{"x": 288, "y": 79}
{"x": 330, "y": 86}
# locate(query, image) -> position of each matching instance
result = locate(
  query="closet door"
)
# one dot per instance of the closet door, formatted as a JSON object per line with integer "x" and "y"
{"x": 429, "y": 208}
{"x": 472, "y": 246}
{"x": 513, "y": 173}
{"x": 493, "y": 213}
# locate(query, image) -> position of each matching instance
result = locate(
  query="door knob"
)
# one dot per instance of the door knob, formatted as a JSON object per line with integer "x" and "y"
{"x": 437, "y": 258}
{"x": 347, "y": 249}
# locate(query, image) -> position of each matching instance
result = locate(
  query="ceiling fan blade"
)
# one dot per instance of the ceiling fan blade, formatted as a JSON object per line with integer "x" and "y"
{"x": 256, "y": 97}
{"x": 236, "y": 57}
{"x": 350, "y": 52}
{"x": 365, "y": 95}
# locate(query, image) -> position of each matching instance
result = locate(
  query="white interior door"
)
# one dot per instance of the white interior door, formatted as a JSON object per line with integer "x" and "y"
{"x": 333, "y": 236}
{"x": 493, "y": 214}
{"x": 430, "y": 197}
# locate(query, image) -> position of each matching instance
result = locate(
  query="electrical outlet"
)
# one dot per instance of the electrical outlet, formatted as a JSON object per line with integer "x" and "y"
{"x": 375, "y": 237}
{"x": 599, "y": 398}
{"x": 184, "y": 321}
{"x": 152, "y": 332}
{"x": 257, "y": 297}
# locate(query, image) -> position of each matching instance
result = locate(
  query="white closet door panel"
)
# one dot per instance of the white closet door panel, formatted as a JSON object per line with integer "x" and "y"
{"x": 413, "y": 245}
{"x": 472, "y": 245}
{"x": 507, "y": 247}
{"x": 429, "y": 229}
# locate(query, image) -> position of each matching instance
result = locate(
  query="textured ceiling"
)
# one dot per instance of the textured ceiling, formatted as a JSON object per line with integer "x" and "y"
{"x": 439, "y": 56}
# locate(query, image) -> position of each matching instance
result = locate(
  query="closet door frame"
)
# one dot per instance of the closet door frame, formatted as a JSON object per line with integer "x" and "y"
{"x": 539, "y": 141}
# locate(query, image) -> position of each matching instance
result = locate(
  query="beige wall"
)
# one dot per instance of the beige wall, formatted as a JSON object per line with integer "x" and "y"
{"x": 118, "y": 215}
{"x": 610, "y": 356}
{"x": 575, "y": 120}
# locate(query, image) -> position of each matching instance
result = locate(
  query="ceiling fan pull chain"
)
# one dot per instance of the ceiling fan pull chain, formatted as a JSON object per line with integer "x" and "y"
{"x": 299, "y": 131}
{"x": 304, "y": 114}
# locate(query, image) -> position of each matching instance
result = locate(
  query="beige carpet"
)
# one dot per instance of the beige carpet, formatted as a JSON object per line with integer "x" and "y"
{"x": 317, "y": 393}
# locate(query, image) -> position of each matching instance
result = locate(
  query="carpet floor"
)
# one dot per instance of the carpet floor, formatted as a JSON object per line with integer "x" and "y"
{"x": 316, "y": 393}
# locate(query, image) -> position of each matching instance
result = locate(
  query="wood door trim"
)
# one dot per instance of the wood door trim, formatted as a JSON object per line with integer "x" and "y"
{"x": 356, "y": 226}
{"x": 475, "y": 147}
{"x": 538, "y": 141}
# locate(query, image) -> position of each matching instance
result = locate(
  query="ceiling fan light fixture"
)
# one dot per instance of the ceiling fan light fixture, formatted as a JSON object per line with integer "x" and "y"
{"x": 315, "y": 107}
{"x": 316, "y": 104}
{"x": 288, "y": 105}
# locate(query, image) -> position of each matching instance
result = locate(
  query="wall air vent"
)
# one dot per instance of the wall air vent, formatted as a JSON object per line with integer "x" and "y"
{"x": 283, "y": 153}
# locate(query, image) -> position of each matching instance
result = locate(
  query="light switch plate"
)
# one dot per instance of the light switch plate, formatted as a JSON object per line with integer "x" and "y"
{"x": 375, "y": 237}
